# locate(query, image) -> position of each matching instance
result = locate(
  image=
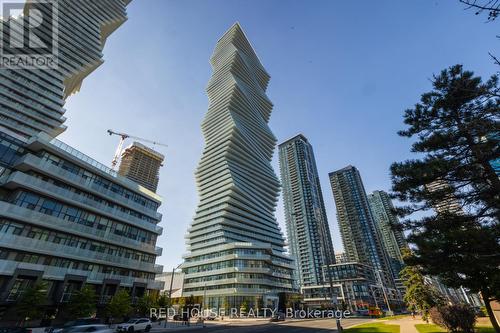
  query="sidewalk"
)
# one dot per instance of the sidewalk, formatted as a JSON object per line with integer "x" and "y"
{"x": 155, "y": 328}
{"x": 407, "y": 325}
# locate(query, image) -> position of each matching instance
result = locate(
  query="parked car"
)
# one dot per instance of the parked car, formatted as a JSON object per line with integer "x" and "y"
{"x": 15, "y": 330}
{"x": 73, "y": 323}
{"x": 135, "y": 324}
{"x": 94, "y": 328}
{"x": 208, "y": 315}
{"x": 362, "y": 313}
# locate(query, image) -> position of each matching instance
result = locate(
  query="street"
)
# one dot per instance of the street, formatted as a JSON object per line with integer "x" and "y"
{"x": 251, "y": 326}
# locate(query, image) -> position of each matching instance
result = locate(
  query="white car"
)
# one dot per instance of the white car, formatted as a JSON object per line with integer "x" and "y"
{"x": 134, "y": 325}
{"x": 96, "y": 328}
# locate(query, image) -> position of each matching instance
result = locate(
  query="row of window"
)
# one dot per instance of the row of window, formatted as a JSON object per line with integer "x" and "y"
{"x": 72, "y": 264}
{"x": 93, "y": 197}
{"x": 226, "y": 253}
{"x": 236, "y": 276}
{"x": 350, "y": 272}
{"x": 256, "y": 287}
{"x": 238, "y": 263}
{"x": 99, "y": 181}
{"x": 14, "y": 228}
{"x": 72, "y": 214}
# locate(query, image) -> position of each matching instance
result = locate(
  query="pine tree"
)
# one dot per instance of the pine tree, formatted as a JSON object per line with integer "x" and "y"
{"x": 455, "y": 128}
{"x": 419, "y": 296}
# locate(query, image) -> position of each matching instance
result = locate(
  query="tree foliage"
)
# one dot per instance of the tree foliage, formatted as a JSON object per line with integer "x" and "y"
{"x": 492, "y": 10}
{"x": 29, "y": 305}
{"x": 83, "y": 303}
{"x": 490, "y": 7}
{"x": 455, "y": 318}
{"x": 163, "y": 300}
{"x": 145, "y": 303}
{"x": 120, "y": 305}
{"x": 455, "y": 128}
{"x": 419, "y": 296}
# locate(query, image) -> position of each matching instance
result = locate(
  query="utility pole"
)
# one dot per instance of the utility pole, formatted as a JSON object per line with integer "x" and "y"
{"x": 383, "y": 290}
{"x": 170, "y": 292}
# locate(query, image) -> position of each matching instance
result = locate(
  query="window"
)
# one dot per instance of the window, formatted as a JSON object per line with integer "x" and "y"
{"x": 28, "y": 200}
{"x": 50, "y": 207}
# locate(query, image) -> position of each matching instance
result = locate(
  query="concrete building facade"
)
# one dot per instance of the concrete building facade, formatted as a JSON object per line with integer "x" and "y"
{"x": 32, "y": 100}
{"x": 355, "y": 286}
{"x": 236, "y": 248}
{"x": 65, "y": 219}
{"x": 308, "y": 231}
{"x": 174, "y": 280}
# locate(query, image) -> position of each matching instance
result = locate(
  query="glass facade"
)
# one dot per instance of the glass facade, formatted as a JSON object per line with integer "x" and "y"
{"x": 360, "y": 235}
{"x": 308, "y": 231}
{"x": 385, "y": 220}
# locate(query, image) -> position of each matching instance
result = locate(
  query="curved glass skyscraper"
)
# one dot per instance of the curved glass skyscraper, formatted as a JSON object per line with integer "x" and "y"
{"x": 236, "y": 249}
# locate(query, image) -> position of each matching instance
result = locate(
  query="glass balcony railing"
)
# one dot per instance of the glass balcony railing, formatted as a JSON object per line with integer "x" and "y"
{"x": 81, "y": 156}
{"x": 71, "y": 178}
{"x": 89, "y": 160}
{"x": 49, "y": 221}
{"x": 64, "y": 195}
{"x": 25, "y": 244}
{"x": 8, "y": 267}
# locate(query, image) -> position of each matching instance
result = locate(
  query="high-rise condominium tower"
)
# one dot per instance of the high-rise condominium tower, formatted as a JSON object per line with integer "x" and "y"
{"x": 360, "y": 236}
{"x": 65, "y": 219}
{"x": 308, "y": 232}
{"x": 236, "y": 249}
{"x": 32, "y": 100}
{"x": 392, "y": 240}
{"x": 142, "y": 165}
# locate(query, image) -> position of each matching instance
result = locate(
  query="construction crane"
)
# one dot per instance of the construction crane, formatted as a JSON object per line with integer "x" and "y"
{"x": 123, "y": 137}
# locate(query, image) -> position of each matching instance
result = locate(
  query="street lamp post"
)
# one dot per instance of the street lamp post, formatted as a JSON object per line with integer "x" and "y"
{"x": 170, "y": 292}
{"x": 383, "y": 290}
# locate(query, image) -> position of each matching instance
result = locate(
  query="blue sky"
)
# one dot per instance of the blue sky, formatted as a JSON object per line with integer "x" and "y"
{"x": 342, "y": 73}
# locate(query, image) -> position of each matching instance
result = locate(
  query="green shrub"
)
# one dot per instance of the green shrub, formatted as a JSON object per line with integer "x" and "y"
{"x": 454, "y": 318}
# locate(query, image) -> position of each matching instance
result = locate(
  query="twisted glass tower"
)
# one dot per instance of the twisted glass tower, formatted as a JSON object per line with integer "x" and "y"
{"x": 32, "y": 100}
{"x": 236, "y": 249}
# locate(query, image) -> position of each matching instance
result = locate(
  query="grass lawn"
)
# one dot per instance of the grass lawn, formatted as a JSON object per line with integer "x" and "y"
{"x": 374, "y": 328}
{"x": 393, "y": 317}
{"x": 428, "y": 328}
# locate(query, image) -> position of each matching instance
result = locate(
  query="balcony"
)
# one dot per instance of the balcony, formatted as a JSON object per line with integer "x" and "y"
{"x": 31, "y": 161}
{"x": 58, "y": 250}
{"x": 75, "y": 199}
{"x": 51, "y": 222}
{"x": 88, "y": 160}
{"x": 7, "y": 267}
